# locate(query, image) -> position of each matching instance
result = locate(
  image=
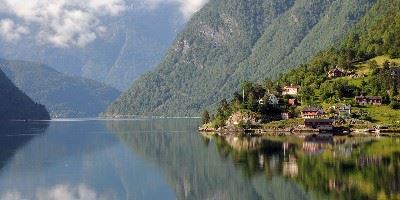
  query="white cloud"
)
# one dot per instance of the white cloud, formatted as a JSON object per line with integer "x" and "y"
{"x": 65, "y": 23}
{"x": 187, "y": 7}
{"x": 59, "y": 22}
{"x": 10, "y": 31}
{"x": 58, "y": 192}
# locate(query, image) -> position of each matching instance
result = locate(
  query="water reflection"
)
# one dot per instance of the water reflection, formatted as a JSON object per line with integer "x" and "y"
{"x": 169, "y": 159}
{"x": 198, "y": 167}
{"x": 328, "y": 167}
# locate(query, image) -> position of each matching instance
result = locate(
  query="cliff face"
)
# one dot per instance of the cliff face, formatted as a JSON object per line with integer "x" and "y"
{"x": 229, "y": 41}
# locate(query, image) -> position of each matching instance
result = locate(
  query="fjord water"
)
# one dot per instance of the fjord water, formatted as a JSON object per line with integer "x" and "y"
{"x": 169, "y": 159}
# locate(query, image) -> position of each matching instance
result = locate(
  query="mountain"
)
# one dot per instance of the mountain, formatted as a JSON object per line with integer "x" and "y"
{"x": 227, "y": 42}
{"x": 134, "y": 43}
{"x": 63, "y": 95}
{"x": 15, "y": 105}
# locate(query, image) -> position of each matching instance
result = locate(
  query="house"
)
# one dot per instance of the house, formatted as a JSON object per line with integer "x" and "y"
{"x": 345, "y": 111}
{"x": 311, "y": 113}
{"x": 336, "y": 73}
{"x": 320, "y": 124}
{"x": 287, "y": 115}
{"x": 291, "y": 90}
{"x": 273, "y": 100}
{"x": 293, "y": 102}
{"x": 365, "y": 100}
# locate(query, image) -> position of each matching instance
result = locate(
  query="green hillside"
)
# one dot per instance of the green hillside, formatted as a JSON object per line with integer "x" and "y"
{"x": 369, "y": 60}
{"x": 230, "y": 41}
{"x": 15, "y": 105}
{"x": 63, "y": 95}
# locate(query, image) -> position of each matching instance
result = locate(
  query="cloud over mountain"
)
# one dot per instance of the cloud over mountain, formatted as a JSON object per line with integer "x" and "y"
{"x": 59, "y": 22}
{"x": 66, "y": 23}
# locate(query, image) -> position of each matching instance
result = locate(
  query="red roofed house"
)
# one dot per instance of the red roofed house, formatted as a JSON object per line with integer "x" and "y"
{"x": 290, "y": 90}
{"x": 311, "y": 113}
{"x": 363, "y": 100}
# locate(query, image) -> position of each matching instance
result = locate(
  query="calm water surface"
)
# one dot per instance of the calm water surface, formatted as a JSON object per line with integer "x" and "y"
{"x": 169, "y": 159}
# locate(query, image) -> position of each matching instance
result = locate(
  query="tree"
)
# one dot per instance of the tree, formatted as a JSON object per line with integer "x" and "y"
{"x": 205, "y": 117}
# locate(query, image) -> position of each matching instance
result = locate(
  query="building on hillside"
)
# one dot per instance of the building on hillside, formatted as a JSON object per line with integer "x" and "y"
{"x": 312, "y": 113}
{"x": 273, "y": 100}
{"x": 287, "y": 115}
{"x": 368, "y": 100}
{"x": 320, "y": 124}
{"x": 344, "y": 111}
{"x": 293, "y": 102}
{"x": 291, "y": 90}
{"x": 336, "y": 73}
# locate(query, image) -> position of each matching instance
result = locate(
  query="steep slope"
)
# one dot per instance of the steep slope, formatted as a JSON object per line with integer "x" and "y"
{"x": 63, "y": 95}
{"x": 230, "y": 41}
{"x": 15, "y": 105}
{"x": 134, "y": 43}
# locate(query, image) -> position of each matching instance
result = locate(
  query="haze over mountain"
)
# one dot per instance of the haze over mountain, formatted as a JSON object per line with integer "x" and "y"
{"x": 229, "y": 41}
{"x": 15, "y": 105}
{"x": 63, "y": 95}
{"x": 113, "y": 42}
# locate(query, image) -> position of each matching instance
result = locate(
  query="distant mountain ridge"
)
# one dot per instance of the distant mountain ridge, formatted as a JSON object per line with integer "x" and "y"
{"x": 64, "y": 96}
{"x": 134, "y": 43}
{"x": 15, "y": 105}
{"x": 230, "y": 41}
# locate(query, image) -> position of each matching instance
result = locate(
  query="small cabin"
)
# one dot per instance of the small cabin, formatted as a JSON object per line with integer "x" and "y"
{"x": 312, "y": 113}
{"x": 336, "y": 73}
{"x": 291, "y": 90}
{"x": 273, "y": 100}
{"x": 320, "y": 124}
{"x": 287, "y": 115}
{"x": 368, "y": 100}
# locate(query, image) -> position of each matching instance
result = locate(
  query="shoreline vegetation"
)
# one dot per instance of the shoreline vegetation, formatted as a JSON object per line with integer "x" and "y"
{"x": 351, "y": 88}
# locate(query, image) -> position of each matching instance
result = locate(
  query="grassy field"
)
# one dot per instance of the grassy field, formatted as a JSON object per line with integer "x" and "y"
{"x": 383, "y": 114}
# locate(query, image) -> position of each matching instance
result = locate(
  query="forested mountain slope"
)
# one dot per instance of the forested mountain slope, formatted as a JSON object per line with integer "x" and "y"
{"x": 63, "y": 95}
{"x": 15, "y": 105}
{"x": 229, "y": 41}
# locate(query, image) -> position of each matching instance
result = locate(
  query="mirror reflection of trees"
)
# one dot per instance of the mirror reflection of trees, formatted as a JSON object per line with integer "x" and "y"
{"x": 198, "y": 167}
{"x": 329, "y": 167}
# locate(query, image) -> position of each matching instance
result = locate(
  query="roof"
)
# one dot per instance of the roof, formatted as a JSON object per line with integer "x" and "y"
{"x": 311, "y": 109}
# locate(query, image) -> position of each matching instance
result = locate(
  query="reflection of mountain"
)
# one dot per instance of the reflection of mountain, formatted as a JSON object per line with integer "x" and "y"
{"x": 14, "y": 135}
{"x": 193, "y": 166}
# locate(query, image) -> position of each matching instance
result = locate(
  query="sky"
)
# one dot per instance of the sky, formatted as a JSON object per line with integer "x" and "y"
{"x": 66, "y": 23}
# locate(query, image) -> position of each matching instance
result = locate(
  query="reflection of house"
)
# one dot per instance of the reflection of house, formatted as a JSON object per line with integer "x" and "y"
{"x": 292, "y": 102}
{"x": 286, "y": 115}
{"x": 311, "y": 113}
{"x": 365, "y": 100}
{"x": 290, "y": 90}
{"x": 320, "y": 124}
{"x": 336, "y": 73}
{"x": 312, "y": 147}
{"x": 291, "y": 168}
